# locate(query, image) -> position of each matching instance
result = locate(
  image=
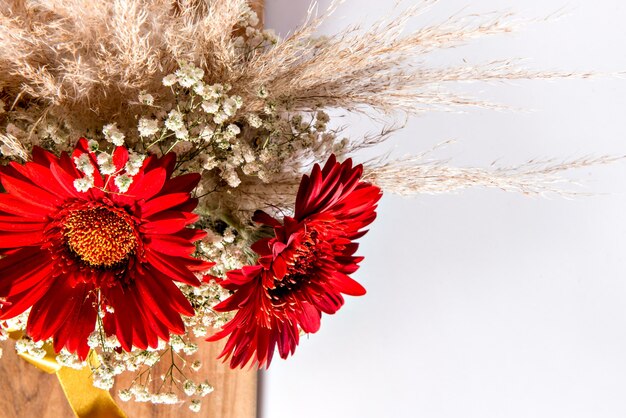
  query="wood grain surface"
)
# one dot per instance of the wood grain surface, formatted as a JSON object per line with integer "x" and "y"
{"x": 234, "y": 396}
{"x": 28, "y": 392}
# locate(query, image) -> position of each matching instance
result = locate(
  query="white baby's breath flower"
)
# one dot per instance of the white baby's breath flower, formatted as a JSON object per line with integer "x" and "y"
{"x": 83, "y": 163}
{"x": 123, "y": 182}
{"x": 169, "y": 80}
{"x": 177, "y": 343}
{"x": 190, "y": 348}
{"x": 229, "y": 107}
{"x": 146, "y": 98}
{"x": 113, "y": 134}
{"x": 206, "y": 133}
{"x": 83, "y": 184}
{"x": 204, "y": 389}
{"x": 93, "y": 340}
{"x": 189, "y": 388}
{"x": 254, "y": 120}
{"x": 125, "y": 395}
{"x": 262, "y": 92}
{"x": 220, "y": 118}
{"x": 105, "y": 163}
{"x": 182, "y": 133}
{"x": 195, "y": 405}
{"x": 147, "y": 127}
{"x": 200, "y": 88}
{"x": 210, "y": 107}
{"x": 231, "y": 177}
{"x": 188, "y": 75}
{"x": 196, "y": 365}
{"x": 233, "y": 129}
{"x": 174, "y": 121}
{"x": 134, "y": 163}
{"x": 93, "y": 145}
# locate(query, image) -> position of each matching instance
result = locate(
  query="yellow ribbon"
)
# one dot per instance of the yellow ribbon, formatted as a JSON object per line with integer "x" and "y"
{"x": 86, "y": 400}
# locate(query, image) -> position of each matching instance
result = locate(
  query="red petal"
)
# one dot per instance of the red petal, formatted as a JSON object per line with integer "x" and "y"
{"x": 120, "y": 157}
{"x": 309, "y": 318}
{"x": 20, "y": 239}
{"x": 30, "y": 193}
{"x": 163, "y": 202}
{"x": 148, "y": 185}
{"x": 171, "y": 268}
{"x": 346, "y": 285}
{"x": 11, "y": 204}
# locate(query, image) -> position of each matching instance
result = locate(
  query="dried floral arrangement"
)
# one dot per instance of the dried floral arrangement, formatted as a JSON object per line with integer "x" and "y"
{"x": 169, "y": 169}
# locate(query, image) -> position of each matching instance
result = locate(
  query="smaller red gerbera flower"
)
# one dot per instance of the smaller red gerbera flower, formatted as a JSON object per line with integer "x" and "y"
{"x": 86, "y": 234}
{"x": 303, "y": 270}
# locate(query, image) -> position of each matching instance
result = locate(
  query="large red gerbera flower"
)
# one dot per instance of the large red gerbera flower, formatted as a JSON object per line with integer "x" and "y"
{"x": 111, "y": 247}
{"x": 303, "y": 270}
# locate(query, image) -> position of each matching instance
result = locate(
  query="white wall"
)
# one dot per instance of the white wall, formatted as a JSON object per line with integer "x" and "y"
{"x": 482, "y": 303}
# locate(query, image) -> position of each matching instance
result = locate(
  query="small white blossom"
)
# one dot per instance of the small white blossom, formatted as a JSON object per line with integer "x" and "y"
{"x": 83, "y": 184}
{"x": 182, "y": 133}
{"x": 229, "y": 235}
{"x": 123, "y": 182}
{"x": 174, "y": 121}
{"x": 231, "y": 177}
{"x": 148, "y": 127}
{"x": 204, "y": 389}
{"x": 208, "y": 162}
{"x": 206, "y": 133}
{"x": 146, "y": 98}
{"x": 188, "y": 75}
{"x": 134, "y": 163}
{"x": 196, "y": 365}
{"x": 83, "y": 163}
{"x": 190, "y": 348}
{"x": 229, "y": 107}
{"x": 93, "y": 145}
{"x": 177, "y": 343}
{"x": 210, "y": 107}
{"x": 254, "y": 121}
{"x": 200, "y": 88}
{"x": 113, "y": 135}
{"x": 105, "y": 163}
{"x": 262, "y": 93}
{"x": 169, "y": 80}
{"x": 93, "y": 340}
{"x": 233, "y": 129}
{"x": 125, "y": 395}
{"x": 169, "y": 398}
{"x": 141, "y": 393}
{"x": 220, "y": 118}
{"x": 189, "y": 388}
{"x": 195, "y": 405}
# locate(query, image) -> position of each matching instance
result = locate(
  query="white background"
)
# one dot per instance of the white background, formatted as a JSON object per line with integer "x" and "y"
{"x": 482, "y": 303}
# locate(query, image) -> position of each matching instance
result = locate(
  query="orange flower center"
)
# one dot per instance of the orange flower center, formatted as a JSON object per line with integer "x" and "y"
{"x": 99, "y": 236}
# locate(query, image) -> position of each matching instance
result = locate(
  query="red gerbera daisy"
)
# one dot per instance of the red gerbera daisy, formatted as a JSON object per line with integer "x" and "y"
{"x": 303, "y": 270}
{"x": 77, "y": 242}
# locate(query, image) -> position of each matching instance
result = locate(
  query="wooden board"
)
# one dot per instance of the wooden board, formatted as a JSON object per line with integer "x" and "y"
{"x": 234, "y": 396}
{"x": 30, "y": 392}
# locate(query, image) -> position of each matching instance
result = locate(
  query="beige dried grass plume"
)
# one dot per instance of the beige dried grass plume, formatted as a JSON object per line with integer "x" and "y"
{"x": 84, "y": 62}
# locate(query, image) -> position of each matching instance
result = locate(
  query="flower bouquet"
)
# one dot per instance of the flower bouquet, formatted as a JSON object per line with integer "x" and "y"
{"x": 171, "y": 179}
